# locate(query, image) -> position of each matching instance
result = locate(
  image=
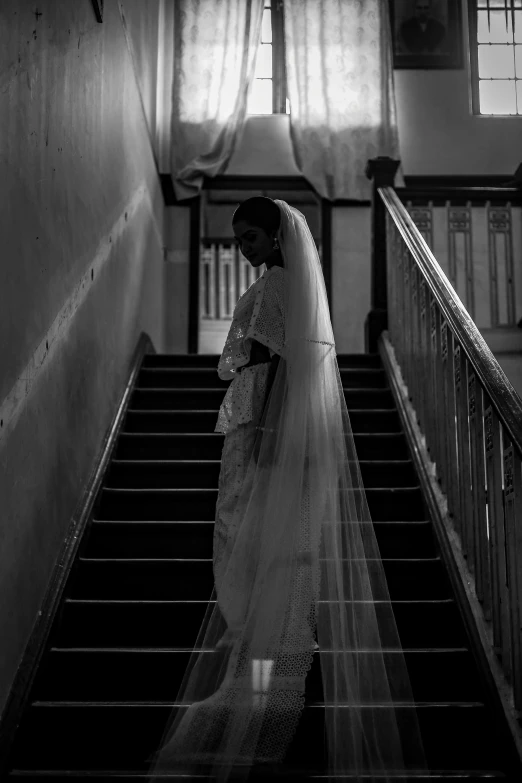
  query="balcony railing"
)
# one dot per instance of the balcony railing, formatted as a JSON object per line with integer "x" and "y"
{"x": 225, "y": 274}
{"x": 474, "y": 234}
{"x": 466, "y": 408}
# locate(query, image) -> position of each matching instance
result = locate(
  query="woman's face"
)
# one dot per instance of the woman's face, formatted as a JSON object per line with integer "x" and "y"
{"x": 255, "y": 244}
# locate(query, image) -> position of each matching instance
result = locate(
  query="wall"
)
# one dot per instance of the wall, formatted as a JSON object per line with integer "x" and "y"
{"x": 80, "y": 276}
{"x": 176, "y": 278}
{"x": 438, "y": 134}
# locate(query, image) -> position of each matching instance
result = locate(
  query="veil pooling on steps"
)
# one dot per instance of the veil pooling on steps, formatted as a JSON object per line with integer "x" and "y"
{"x": 305, "y": 559}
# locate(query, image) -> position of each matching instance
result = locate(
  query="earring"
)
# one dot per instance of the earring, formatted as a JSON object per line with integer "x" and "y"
{"x": 275, "y": 246}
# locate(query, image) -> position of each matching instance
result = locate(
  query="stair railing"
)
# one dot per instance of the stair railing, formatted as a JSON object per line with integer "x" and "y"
{"x": 467, "y": 410}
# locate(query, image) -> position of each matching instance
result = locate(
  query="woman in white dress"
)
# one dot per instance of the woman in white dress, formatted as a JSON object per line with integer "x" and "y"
{"x": 295, "y": 555}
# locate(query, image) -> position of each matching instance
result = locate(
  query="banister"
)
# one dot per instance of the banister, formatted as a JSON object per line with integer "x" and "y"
{"x": 500, "y": 391}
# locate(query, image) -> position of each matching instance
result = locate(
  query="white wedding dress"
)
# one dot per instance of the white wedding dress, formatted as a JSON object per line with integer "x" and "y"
{"x": 294, "y": 554}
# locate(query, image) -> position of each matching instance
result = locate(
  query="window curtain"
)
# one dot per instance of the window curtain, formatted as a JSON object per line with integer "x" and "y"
{"x": 215, "y": 44}
{"x": 340, "y": 86}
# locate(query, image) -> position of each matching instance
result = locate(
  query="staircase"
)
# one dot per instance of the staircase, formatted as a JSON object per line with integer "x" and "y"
{"x": 137, "y": 592}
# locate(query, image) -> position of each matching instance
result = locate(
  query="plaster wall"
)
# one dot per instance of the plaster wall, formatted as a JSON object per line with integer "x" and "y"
{"x": 176, "y": 278}
{"x": 438, "y": 135}
{"x": 81, "y": 271}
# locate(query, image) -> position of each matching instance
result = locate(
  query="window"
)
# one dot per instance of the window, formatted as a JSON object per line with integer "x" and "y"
{"x": 496, "y": 56}
{"x": 268, "y": 93}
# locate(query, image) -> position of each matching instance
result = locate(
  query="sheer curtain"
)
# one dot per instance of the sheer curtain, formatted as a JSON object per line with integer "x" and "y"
{"x": 340, "y": 87}
{"x": 215, "y": 44}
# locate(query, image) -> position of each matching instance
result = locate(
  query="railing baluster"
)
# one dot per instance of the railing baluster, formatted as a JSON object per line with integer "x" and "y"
{"x": 513, "y": 529}
{"x": 436, "y": 386}
{"x": 450, "y": 423}
{"x": 391, "y": 264}
{"x": 471, "y": 418}
{"x": 497, "y": 543}
{"x": 476, "y": 440}
{"x": 417, "y": 385}
{"x": 407, "y": 320}
{"x": 463, "y": 451}
{"x": 400, "y": 299}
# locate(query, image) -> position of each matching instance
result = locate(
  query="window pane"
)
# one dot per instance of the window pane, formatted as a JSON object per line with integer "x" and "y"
{"x": 266, "y": 30}
{"x": 260, "y": 98}
{"x": 264, "y": 62}
{"x": 498, "y": 3}
{"x": 518, "y": 26}
{"x": 496, "y": 61}
{"x": 519, "y": 96}
{"x": 496, "y": 32}
{"x": 518, "y": 61}
{"x": 497, "y": 97}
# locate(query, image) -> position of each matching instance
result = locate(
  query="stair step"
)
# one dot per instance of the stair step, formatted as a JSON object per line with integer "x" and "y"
{"x": 211, "y": 398}
{"x": 211, "y": 360}
{"x": 112, "y": 736}
{"x": 187, "y": 579}
{"x": 204, "y": 377}
{"x": 142, "y": 583}
{"x": 210, "y": 445}
{"x": 149, "y": 624}
{"x": 155, "y": 675}
{"x": 204, "y": 474}
{"x": 260, "y": 774}
{"x": 207, "y": 360}
{"x": 193, "y": 539}
{"x": 396, "y": 503}
{"x": 154, "y": 421}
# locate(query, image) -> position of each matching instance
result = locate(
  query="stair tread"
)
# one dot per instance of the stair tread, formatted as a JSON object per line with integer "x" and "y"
{"x": 408, "y": 560}
{"x": 211, "y": 522}
{"x": 397, "y": 774}
{"x": 443, "y": 678}
{"x": 106, "y": 601}
{"x": 184, "y": 411}
{"x": 310, "y": 705}
{"x": 214, "y": 489}
{"x": 218, "y": 461}
{"x": 149, "y": 650}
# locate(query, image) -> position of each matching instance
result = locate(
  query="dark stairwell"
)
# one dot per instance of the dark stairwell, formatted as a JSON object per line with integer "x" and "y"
{"x": 137, "y": 590}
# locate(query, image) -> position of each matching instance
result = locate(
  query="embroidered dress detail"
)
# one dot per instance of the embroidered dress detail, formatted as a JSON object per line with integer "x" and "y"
{"x": 258, "y": 315}
{"x": 319, "y": 342}
{"x": 244, "y": 399}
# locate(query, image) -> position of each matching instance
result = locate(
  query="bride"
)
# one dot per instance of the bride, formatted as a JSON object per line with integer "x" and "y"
{"x": 297, "y": 568}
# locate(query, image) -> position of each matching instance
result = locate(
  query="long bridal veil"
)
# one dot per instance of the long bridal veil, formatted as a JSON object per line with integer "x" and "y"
{"x": 304, "y": 559}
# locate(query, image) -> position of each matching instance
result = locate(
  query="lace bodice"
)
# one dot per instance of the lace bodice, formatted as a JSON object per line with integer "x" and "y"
{"x": 258, "y": 315}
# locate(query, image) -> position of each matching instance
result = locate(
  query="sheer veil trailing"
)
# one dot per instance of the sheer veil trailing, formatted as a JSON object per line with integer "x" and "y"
{"x": 305, "y": 560}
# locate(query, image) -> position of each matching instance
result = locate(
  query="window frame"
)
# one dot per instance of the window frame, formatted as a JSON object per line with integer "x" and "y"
{"x": 278, "y": 78}
{"x": 474, "y": 65}
{"x": 278, "y": 58}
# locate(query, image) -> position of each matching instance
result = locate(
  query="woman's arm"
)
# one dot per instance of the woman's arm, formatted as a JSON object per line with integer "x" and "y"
{"x": 259, "y": 354}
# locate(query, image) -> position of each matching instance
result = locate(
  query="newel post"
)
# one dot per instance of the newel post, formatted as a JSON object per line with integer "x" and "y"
{"x": 382, "y": 171}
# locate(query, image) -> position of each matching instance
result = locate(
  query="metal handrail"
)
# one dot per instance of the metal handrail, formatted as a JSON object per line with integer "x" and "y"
{"x": 499, "y": 389}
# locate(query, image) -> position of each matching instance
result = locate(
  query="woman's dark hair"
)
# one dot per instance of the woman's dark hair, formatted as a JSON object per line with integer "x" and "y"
{"x": 259, "y": 211}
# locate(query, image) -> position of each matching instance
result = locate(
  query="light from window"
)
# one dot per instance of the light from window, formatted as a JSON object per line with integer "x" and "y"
{"x": 499, "y": 39}
{"x": 260, "y": 99}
